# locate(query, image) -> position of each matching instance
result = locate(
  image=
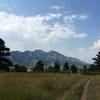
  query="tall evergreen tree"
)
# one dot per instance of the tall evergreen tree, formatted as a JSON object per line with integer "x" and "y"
{"x": 39, "y": 66}
{"x": 74, "y": 69}
{"x": 92, "y": 67}
{"x": 97, "y": 62}
{"x": 66, "y": 67}
{"x": 20, "y": 68}
{"x": 85, "y": 69}
{"x": 5, "y": 63}
{"x": 56, "y": 66}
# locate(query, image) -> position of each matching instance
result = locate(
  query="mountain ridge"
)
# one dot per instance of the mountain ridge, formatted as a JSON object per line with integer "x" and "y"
{"x": 29, "y": 57}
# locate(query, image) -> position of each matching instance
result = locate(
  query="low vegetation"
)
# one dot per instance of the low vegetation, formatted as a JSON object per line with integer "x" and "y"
{"x": 31, "y": 86}
{"x": 77, "y": 91}
{"x": 94, "y": 88}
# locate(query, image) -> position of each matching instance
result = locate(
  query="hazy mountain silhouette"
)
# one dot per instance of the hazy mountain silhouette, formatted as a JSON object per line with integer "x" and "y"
{"x": 29, "y": 57}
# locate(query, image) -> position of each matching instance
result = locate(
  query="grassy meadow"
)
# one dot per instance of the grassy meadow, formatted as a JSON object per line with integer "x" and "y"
{"x": 94, "y": 88}
{"x": 42, "y": 86}
{"x": 31, "y": 86}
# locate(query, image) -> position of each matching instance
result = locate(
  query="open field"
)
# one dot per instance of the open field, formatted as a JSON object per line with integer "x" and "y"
{"x": 38, "y": 86}
{"x": 94, "y": 88}
{"x": 30, "y": 86}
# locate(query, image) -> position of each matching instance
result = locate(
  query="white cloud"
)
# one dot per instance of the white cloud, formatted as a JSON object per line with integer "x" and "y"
{"x": 5, "y": 6}
{"x": 96, "y": 44}
{"x": 87, "y": 54}
{"x": 57, "y": 7}
{"x": 36, "y": 31}
{"x": 81, "y": 49}
{"x": 70, "y": 19}
{"x": 61, "y": 32}
{"x": 80, "y": 35}
{"x": 83, "y": 17}
{"x": 74, "y": 17}
{"x": 53, "y": 15}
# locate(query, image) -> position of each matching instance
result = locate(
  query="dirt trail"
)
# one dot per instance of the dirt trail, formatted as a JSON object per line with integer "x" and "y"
{"x": 67, "y": 92}
{"x": 70, "y": 91}
{"x": 84, "y": 95}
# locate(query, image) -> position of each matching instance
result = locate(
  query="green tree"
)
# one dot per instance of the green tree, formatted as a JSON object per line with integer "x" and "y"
{"x": 92, "y": 67}
{"x": 20, "y": 68}
{"x": 39, "y": 66}
{"x": 23, "y": 69}
{"x": 66, "y": 67}
{"x": 56, "y": 66}
{"x": 5, "y": 63}
{"x": 85, "y": 69}
{"x": 74, "y": 69}
{"x": 97, "y": 62}
{"x": 17, "y": 68}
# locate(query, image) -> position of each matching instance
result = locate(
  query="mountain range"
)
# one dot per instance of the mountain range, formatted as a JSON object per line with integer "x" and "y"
{"x": 30, "y": 57}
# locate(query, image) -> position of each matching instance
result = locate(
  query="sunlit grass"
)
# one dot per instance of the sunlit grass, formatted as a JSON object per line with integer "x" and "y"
{"x": 34, "y": 86}
{"x": 94, "y": 88}
{"x": 77, "y": 92}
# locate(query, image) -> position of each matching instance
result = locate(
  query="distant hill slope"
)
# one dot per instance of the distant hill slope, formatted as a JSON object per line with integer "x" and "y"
{"x": 29, "y": 57}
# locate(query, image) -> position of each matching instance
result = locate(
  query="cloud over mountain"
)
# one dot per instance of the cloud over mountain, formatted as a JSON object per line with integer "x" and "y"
{"x": 41, "y": 30}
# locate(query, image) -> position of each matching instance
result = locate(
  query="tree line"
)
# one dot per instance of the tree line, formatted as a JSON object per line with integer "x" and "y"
{"x": 41, "y": 67}
{"x": 7, "y": 65}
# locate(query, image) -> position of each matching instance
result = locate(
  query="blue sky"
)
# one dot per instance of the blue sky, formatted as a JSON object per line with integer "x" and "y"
{"x": 71, "y": 27}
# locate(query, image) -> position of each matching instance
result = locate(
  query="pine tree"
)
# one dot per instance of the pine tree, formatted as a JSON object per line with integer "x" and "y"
{"x": 20, "y": 68}
{"x": 39, "y": 66}
{"x": 97, "y": 62}
{"x": 56, "y": 66}
{"x": 5, "y": 63}
{"x": 66, "y": 67}
{"x": 74, "y": 69}
{"x": 85, "y": 69}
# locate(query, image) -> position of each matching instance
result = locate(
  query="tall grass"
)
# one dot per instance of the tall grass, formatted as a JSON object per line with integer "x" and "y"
{"x": 94, "y": 88}
{"x": 77, "y": 92}
{"x": 34, "y": 86}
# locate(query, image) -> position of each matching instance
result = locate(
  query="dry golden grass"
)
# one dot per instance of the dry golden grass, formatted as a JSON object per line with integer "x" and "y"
{"x": 34, "y": 86}
{"x": 94, "y": 88}
{"x": 77, "y": 91}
